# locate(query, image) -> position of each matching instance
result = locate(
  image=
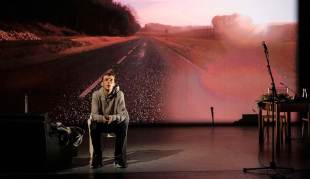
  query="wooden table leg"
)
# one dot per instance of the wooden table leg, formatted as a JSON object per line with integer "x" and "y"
{"x": 260, "y": 126}
{"x": 268, "y": 122}
{"x": 278, "y": 129}
{"x": 308, "y": 129}
{"x": 288, "y": 122}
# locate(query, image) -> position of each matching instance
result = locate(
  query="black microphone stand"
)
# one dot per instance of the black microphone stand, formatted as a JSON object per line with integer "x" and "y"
{"x": 274, "y": 95}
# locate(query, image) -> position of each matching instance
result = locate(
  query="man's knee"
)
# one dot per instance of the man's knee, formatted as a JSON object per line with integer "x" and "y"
{"x": 122, "y": 127}
{"x": 125, "y": 124}
{"x": 126, "y": 121}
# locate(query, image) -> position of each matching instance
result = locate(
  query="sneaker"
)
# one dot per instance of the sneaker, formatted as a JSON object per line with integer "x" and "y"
{"x": 118, "y": 165}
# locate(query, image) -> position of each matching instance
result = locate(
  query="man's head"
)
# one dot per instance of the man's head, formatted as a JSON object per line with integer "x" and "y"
{"x": 108, "y": 81}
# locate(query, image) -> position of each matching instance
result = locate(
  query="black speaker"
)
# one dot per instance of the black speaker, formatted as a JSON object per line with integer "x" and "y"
{"x": 247, "y": 120}
{"x": 27, "y": 145}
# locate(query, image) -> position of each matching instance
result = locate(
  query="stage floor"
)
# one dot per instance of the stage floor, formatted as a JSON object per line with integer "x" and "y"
{"x": 194, "y": 152}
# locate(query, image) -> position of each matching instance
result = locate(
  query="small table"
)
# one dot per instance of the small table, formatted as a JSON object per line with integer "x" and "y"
{"x": 287, "y": 107}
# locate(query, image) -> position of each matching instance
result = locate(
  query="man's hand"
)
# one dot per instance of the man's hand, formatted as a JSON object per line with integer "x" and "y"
{"x": 102, "y": 120}
{"x": 109, "y": 119}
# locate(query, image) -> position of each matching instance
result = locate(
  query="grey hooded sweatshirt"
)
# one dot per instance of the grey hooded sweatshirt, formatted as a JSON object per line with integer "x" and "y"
{"x": 113, "y": 104}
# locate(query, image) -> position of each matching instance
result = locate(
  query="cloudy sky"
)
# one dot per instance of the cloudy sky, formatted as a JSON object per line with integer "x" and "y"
{"x": 200, "y": 12}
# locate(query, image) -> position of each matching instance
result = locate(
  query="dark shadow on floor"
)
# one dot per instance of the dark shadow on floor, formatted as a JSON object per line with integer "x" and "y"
{"x": 80, "y": 162}
{"x": 132, "y": 157}
{"x": 150, "y": 155}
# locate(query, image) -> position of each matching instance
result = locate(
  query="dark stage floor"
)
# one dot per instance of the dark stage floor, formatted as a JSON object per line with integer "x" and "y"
{"x": 194, "y": 152}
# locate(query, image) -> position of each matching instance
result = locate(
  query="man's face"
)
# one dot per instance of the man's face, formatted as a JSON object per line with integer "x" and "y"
{"x": 108, "y": 82}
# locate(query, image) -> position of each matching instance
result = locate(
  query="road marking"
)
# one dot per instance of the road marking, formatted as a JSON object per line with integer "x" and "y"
{"x": 188, "y": 60}
{"x": 92, "y": 86}
{"x": 130, "y": 51}
{"x": 135, "y": 47}
{"x": 191, "y": 63}
{"x": 122, "y": 59}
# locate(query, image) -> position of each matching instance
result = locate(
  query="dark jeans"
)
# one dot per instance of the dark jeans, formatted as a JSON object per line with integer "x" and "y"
{"x": 120, "y": 129}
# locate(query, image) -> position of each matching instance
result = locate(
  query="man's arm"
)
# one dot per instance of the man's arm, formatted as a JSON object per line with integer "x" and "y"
{"x": 121, "y": 111}
{"x": 95, "y": 107}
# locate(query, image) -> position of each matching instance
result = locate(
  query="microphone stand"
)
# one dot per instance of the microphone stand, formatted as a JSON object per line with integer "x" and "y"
{"x": 274, "y": 95}
{"x": 212, "y": 115}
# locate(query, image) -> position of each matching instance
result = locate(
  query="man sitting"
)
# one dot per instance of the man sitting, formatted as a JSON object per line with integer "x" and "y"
{"x": 109, "y": 114}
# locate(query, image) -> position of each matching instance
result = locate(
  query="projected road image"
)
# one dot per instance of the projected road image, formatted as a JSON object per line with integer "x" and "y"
{"x": 172, "y": 70}
{"x": 161, "y": 84}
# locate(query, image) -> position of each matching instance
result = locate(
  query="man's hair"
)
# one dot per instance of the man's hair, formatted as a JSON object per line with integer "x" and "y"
{"x": 109, "y": 73}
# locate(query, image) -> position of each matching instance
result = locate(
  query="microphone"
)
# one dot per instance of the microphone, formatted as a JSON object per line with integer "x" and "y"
{"x": 265, "y": 47}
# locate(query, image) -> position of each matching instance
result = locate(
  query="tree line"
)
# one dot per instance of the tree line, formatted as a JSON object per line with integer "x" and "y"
{"x": 95, "y": 17}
